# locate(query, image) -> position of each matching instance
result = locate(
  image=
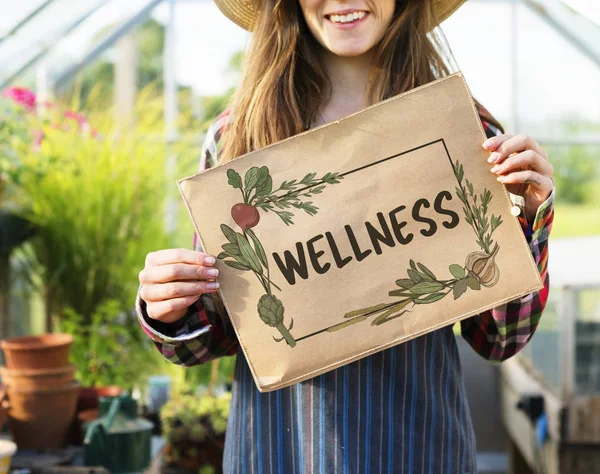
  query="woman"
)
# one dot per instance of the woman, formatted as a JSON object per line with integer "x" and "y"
{"x": 404, "y": 409}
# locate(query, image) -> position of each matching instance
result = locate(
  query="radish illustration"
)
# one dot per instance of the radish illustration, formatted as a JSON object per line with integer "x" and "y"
{"x": 245, "y": 252}
{"x": 245, "y": 215}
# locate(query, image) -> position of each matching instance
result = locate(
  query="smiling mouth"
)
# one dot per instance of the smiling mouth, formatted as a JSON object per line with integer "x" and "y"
{"x": 347, "y": 18}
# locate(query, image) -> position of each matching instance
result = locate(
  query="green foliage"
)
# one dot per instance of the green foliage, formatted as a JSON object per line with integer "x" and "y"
{"x": 97, "y": 200}
{"x": 576, "y": 173}
{"x": 194, "y": 430}
{"x": 576, "y": 220}
{"x": 110, "y": 349}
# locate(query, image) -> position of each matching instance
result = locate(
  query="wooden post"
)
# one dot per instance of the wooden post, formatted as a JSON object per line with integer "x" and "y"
{"x": 516, "y": 461}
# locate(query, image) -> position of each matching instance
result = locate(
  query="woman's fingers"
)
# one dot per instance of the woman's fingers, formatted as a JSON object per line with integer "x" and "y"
{"x": 171, "y": 256}
{"x": 528, "y": 159}
{"x": 505, "y": 145}
{"x": 168, "y": 291}
{"x": 177, "y": 272}
{"x": 169, "y": 311}
{"x": 533, "y": 178}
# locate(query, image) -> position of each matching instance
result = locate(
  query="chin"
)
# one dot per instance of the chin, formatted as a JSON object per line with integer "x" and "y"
{"x": 350, "y": 51}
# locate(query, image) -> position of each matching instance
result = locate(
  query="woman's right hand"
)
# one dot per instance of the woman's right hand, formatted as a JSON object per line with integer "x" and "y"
{"x": 172, "y": 280}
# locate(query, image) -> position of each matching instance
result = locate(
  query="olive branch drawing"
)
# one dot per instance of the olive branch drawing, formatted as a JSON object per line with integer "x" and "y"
{"x": 422, "y": 286}
{"x": 245, "y": 252}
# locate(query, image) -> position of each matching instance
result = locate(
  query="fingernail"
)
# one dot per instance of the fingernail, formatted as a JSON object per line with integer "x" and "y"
{"x": 213, "y": 285}
{"x": 209, "y": 260}
{"x": 493, "y": 157}
{"x": 495, "y": 169}
{"x": 501, "y": 179}
{"x": 488, "y": 143}
{"x": 213, "y": 272}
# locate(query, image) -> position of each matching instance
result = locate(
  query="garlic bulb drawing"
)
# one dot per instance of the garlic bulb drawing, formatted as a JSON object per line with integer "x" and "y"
{"x": 483, "y": 266}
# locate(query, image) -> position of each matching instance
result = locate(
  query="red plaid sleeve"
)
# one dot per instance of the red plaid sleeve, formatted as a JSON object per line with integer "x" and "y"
{"x": 503, "y": 331}
{"x": 206, "y": 332}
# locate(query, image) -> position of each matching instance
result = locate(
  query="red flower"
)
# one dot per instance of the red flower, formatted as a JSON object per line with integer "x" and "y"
{"x": 79, "y": 118}
{"x": 21, "y": 96}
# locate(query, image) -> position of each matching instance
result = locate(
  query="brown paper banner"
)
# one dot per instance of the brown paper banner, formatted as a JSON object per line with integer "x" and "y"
{"x": 361, "y": 234}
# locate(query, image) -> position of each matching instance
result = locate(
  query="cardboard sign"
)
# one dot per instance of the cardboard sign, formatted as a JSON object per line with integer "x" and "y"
{"x": 361, "y": 234}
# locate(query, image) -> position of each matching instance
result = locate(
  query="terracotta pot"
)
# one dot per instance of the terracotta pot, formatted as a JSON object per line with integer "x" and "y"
{"x": 89, "y": 396}
{"x": 41, "y": 418}
{"x": 37, "y": 352}
{"x": 32, "y": 378}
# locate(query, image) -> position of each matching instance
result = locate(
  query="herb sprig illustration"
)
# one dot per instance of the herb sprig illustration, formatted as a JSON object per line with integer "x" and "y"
{"x": 475, "y": 209}
{"x": 257, "y": 192}
{"x": 422, "y": 286}
{"x": 245, "y": 252}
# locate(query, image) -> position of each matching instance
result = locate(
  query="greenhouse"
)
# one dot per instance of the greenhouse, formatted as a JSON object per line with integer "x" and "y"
{"x": 106, "y": 104}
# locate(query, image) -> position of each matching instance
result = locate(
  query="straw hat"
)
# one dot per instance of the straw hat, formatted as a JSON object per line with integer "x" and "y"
{"x": 244, "y": 12}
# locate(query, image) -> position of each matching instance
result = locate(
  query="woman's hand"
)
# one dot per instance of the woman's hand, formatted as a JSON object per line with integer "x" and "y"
{"x": 523, "y": 166}
{"x": 173, "y": 280}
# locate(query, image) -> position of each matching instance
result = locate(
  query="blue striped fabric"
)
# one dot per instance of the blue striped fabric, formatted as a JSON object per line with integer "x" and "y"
{"x": 403, "y": 410}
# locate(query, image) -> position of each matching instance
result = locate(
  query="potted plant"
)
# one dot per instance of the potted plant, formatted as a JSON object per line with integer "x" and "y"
{"x": 194, "y": 430}
{"x": 95, "y": 195}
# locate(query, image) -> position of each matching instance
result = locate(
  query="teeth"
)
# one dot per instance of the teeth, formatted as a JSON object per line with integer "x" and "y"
{"x": 347, "y": 18}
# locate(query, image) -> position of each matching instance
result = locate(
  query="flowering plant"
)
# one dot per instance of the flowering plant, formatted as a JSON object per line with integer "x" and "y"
{"x": 22, "y": 123}
{"x": 95, "y": 198}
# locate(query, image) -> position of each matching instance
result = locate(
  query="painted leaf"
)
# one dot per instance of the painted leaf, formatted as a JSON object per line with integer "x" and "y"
{"x": 265, "y": 188}
{"x": 459, "y": 288}
{"x": 430, "y": 298}
{"x": 251, "y": 178}
{"x": 248, "y": 253}
{"x": 426, "y": 271}
{"x": 405, "y": 283}
{"x": 229, "y": 233}
{"x": 263, "y": 174}
{"x": 473, "y": 283}
{"x": 414, "y": 276}
{"x": 235, "y": 179}
{"x": 260, "y": 251}
{"x": 400, "y": 293}
{"x": 236, "y": 265}
{"x": 412, "y": 265}
{"x": 426, "y": 287}
{"x": 233, "y": 249}
{"x": 223, "y": 255}
{"x": 457, "y": 271}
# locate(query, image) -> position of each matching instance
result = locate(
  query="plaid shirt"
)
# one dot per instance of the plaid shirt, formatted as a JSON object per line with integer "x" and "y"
{"x": 410, "y": 403}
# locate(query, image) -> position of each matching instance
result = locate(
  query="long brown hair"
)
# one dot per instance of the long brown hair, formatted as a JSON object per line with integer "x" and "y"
{"x": 284, "y": 80}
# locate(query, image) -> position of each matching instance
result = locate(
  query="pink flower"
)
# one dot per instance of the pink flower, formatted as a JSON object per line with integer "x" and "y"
{"x": 79, "y": 118}
{"x": 38, "y": 138}
{"x": 21, "y": 96}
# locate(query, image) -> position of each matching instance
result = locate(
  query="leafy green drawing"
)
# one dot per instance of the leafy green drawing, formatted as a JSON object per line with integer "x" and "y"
{"x": 245, "y": 252}
{"x": 422, "y": 286}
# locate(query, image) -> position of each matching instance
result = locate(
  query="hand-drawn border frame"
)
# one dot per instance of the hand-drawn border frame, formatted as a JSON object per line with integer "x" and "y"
{"x": 378, "y": 162}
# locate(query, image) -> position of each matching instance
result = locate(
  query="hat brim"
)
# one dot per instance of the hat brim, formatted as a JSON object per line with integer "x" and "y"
{"x": 243, "y": 12}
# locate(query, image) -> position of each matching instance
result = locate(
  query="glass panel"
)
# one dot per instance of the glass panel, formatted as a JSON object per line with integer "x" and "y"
{"x": 543, "y": 351}
{"x": 587, "y": 343}
{"x": 40, "y": 33}
{"x": 541, "y": 98}
{"x": 62, "y": 33}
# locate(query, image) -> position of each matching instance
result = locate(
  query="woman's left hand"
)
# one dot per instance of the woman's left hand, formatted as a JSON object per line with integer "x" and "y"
{"x": 523, "y": 166}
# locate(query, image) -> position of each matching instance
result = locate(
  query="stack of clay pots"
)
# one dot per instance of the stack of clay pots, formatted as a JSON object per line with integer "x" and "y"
{"x": 41, "y": 389}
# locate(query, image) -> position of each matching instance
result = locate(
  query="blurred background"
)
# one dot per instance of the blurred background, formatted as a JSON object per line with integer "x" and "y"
{"x": 105, "y": 104}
